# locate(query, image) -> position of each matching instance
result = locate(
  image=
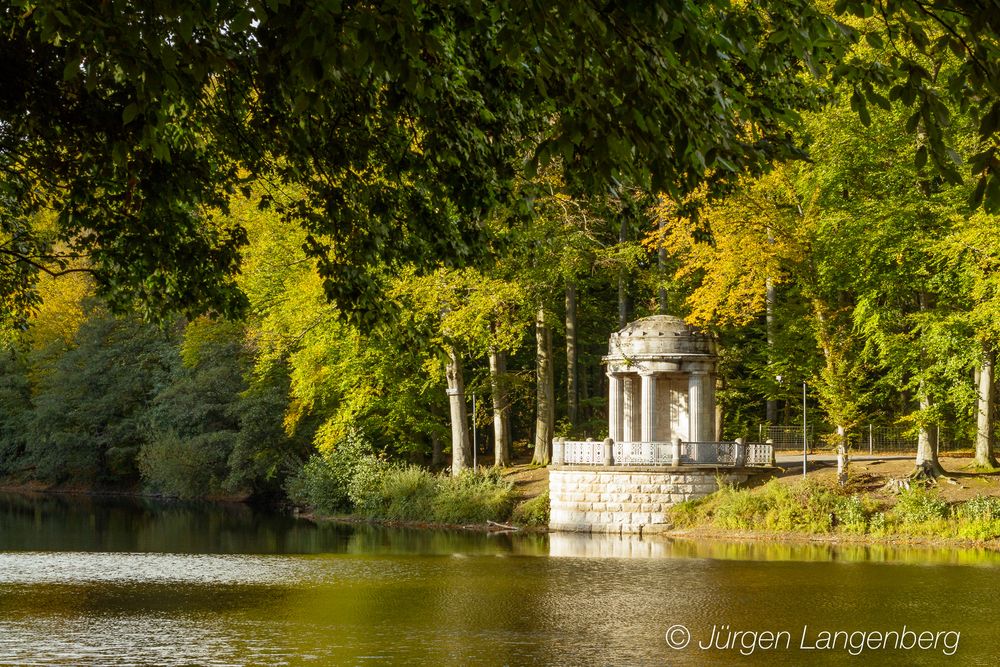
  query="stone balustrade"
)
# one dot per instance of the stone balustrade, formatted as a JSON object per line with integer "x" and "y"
{"x": 735, "y": 454}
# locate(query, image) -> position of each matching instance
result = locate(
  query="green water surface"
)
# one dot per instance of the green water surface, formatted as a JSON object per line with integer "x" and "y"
{"x": 117, "y": 582}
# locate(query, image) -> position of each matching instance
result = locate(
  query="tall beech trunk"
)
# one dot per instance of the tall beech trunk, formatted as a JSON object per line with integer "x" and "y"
{"x": 545, "y": 392}
{"x": 661, "y": 270}
{"x": 461, "y": 446}
{"x": 771, "y": 295}
{"x": 572, "y": 401}
{"x": 927, "y": 463}
{"x": 843, "y": 460}
{"x": 622, "y": 281}
{"x": 927, "y": 444}
{"x": 501, "y": 410}
{"x": 984, "y": 409}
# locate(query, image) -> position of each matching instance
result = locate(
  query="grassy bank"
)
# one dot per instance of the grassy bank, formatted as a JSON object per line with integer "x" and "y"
{"x": 820, "y": 507}
{"x": 354, "y": 482}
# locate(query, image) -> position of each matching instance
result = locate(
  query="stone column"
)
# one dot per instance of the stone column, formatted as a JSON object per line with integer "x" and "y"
{"x": 709, "y": 400}
{"x": 628, "y": 409}
{"x": 697, "y": 407}
{"x": 614, "y": 407}
{"x": 648, "y": 406}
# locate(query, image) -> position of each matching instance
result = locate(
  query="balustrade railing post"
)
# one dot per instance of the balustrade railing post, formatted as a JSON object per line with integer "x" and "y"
{"x": 558, "y": 451}
{"x": 740, "y": 456}
{"x": 676, "y": 451}
{"x": 609, "y": 452}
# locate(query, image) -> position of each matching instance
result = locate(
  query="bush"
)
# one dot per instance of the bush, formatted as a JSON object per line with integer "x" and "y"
{"x": 985, "y": 508}
{"x": 474, "y": 497}
{"x": 917, "y": 506}
{"x": 853, "y": 513}
{"x": 325, "y": 481}
{"x": 533, "y": 512}
{"x": 802, "y": 506}
{"x": 405, "y": 494}
{"x": 186, "y": 467}
{"x": 364, "y": 489}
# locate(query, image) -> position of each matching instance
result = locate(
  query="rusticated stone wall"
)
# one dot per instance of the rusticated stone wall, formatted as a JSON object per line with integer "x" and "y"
{"x": 627, "y": 500}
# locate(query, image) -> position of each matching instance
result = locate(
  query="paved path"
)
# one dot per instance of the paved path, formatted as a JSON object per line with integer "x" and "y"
{"x": 787, "y": 460}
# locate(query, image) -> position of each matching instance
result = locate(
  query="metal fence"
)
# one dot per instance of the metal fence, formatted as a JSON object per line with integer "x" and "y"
{"x": 903, "y": 439}
{"x": 872, "y": 438}
{"x": 786, "y": 437}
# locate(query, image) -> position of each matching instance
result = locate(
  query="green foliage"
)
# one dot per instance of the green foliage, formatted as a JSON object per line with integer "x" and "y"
{"x": 325, "y": 481}
{"x": 980, "y": 508}
{"x": 917, "y": 506}
{"x": 533, "y": 512}
{"x": 404, "y": 493}
{"x": 88, "y": 420}
{"x": 811, "y": 507}
{"x": 264, "y": 453}
{"x": 194, "y": 420}
{"x": 15, "y": 406}
{"x": 853, "y": 513}
{"x": 801, "y": 507}
{"x": 474, "y": 497}
{"x": 185, "y": 467}
{"x": 401, "y": 128}
{"x": 353, "y": 479}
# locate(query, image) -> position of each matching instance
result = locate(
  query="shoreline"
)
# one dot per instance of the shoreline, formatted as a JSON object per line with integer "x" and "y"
{"x": 661, "y": 532}
{"x": 792, "y": 538}
{"x": 421, "y": 525}
{"x": 41, "y": 489}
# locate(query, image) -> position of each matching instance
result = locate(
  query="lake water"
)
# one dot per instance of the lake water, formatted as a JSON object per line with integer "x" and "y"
{"x": 120, "y": 582}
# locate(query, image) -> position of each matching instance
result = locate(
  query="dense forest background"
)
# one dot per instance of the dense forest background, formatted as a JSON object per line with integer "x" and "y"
{"x": 858, "y": 272}
{"x": 842, "y": 248}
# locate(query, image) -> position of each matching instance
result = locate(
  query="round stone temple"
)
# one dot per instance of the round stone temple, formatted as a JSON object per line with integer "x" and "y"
{"x": 661, "y": 382}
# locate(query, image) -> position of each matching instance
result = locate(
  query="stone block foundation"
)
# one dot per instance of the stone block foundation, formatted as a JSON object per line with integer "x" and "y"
{"x": 629, "y": 500}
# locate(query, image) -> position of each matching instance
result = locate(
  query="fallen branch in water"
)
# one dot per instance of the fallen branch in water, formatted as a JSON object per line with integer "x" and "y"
{"x": 502, "y": 525}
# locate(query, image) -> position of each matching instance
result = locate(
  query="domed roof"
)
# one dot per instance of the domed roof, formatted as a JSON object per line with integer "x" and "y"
{"x": 662, "y": 336}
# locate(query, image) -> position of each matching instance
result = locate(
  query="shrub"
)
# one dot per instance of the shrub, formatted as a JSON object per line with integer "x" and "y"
{"x": 917, "y": 506}
{"x": 689, "y": 513}
{"x": 406, "y": 494}
{"x": 981, "y": 507}
{"x": 381, "y": 490}
{"x": 978, "y": 529}
{"x": 324, "y": 482}
{"x": 878, "y": 524}
{"x": 853, "y": 513}
{"x": 185, "y": 467}
{"x": 364, "y": 489}
{"x": 474, "y": 497}
{"x": 533, "y": 512}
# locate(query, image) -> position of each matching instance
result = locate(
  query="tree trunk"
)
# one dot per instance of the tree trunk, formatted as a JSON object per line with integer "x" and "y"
{"x": 772, "y": 403}
{"x": 545, "y": 392}
{"x": 501, "y": 411}
{"x": 927, "y": 464}
{"x": 984, "y": 412}
{"x": 622, "y": 280}
{"x": 661, "y": 265}
{"x": 461, "y": 446}
{"x": 572, "y": 403}
{"x": 927, "y": 445}
{"x": 842, "y": 457}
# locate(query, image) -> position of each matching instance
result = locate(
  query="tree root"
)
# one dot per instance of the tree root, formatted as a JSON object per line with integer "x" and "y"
{"x": 927, "y": 471}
